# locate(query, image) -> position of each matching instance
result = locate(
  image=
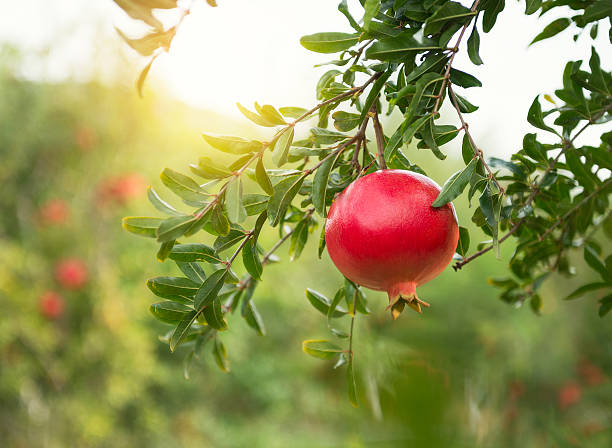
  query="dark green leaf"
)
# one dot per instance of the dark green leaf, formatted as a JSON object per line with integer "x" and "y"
{"x": 251, "y": 260}
{"x": 463, "y": 79}
{"x": 209, "y": 289}
{"x": 172, "y": 287}
{"x": 449, "y": 11}
{"x": 214, "y": 315}
{"x": 532, "y": 6}
{"x": 463, "y": 244}
{"x": 491, "y": 8}
{"x": 182, "y": 329}
{"x": 581, "y": 291}
{"x": 183, "y": 186}
{"x": 193, "y": 271}
{"x": 160, "y": 204}
{"x": 473, "y": 46}
{"x": 219, "y": 221}
{"x": 536, "y": 118}
{"x": 254, "y": 320}
{"x": 322, "y": 303}
{"x": 552, "y": 29}
{"x": 175, "y": 227}
{"x": 605, "y": 305}
{"x": 164, "y": 250}
{"x": 284, "y": 192}
{"x": 596, "y": 263}
{"x": 262, "y": 177}
{"x": 194, "y": 252}
{"x": 169, "y": 312}
{"x": 220, "y": 355}
{"x": 455, "y": 184}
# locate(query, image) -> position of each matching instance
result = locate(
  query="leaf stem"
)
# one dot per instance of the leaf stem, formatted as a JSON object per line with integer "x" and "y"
{"x": 380, "y": 136}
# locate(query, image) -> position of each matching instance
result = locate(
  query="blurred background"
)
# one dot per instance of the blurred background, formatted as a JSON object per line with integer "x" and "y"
{"x": 80, "y": 359}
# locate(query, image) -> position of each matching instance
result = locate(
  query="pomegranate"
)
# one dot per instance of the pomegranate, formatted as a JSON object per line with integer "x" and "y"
{"x": 71, "y": 273}
{"x": 569, "y": 394}
{"x": 51, "y": 305}
{"x": 383, "y": 233}
{"x": 54, "y": 211}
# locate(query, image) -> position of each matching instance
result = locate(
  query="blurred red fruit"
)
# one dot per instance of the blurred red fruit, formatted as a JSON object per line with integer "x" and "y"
{"x": 71, "y": 273}
{"x": 569, "y": 394}
{"x": 51, "y": 305}
{"x": 591, "y": 374}
{"x": 85, "y": 138}
{"x": 121, "y": 189}
{"x": 54, "y": 211}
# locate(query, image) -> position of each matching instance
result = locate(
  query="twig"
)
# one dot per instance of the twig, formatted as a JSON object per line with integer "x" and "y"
{"x": 455, "y": 50}
{"x": 476, "y": 149}
{"x": 380, "y": 137}
{"x": 566, "y": 145}
{"x": 574, "y": 209}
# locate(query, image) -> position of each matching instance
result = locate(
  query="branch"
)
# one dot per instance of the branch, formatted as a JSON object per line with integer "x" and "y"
{"x": 454, "y": 49}
{"x": 380, "y": 136}
{"x": 477, "y": 151}
{"x": 305, "y": 115}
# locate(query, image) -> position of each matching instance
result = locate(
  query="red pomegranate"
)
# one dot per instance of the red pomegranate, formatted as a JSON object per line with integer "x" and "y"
{"x": 71, "y": 273}
{"x": 54, "y": 211}
{"x": 383, "y": 233}
{"x": 569, "y": 394}
{"x": 51, "y": 305}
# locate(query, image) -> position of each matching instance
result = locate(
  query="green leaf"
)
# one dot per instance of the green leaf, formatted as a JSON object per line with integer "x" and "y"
{"x": 421, "y": 87}
{"x": 399, "y": 48}
{"x": 464, "y": 105}
{"x": 225, "y": 242}
{"x": 292, "y": 112}
{"x": 209, "y": 289}
{"x": 491, "y": 8}
{"x": 193, "y": 271}
{"x": 175, "y": 227}
{"x": 169, "y": 312}
{"x": 173, "y": 287}
{"x": 430, "y": 141}
{"x": 345, "y": 121}
{"x": 182, "y": 329}
{"x": 220, "y": 355}
{"x": 270, "y": 113}
{"x": 299, "y": 237}
{"x": 208, "y": 169}
{"x": 219, "y": 221}
{"x": 532, "y": 6}
{"x": 255, "y": 203}
{"x": 350, "y": 381}
{"x": 463, "y": 244}
{"x": 536, "y": 118}
{"x": 414, "y": 128}
{"x": 329, "y": 42}
{"x": 371, "y": 8}
{"x": 598, "y": 10}
{"x": 448, "y": 12}
{"x": 255, "y": 118}
{"x": 251, "y": 260}
{"x": 281, "y": 147}
{"x": 473, "y": 47}
{"x": 253, "y": 319}
{"x": 164, "y": 250}
{"x": 284, "y": 192}
{"x": 183, "y": 186}
{"x": 596, "y": 263}
{"x": 233, "y": 145}
{"x": 160, "y": 204}
{"x": 321, "y": 247}
{"x": 463, "y": 79}
{"x": 322, "y": 303}
{"x": 141, "y": 225}
{"x": 262, "y": 177}
{"x": 455, "y": 184}
{"x": 552, "y": 29}
{"x": 214, "y": 315}
{"x": 233, "y": 201}
{"x": 319, "y": 184}
{"x": 321, "y": 348}
{"x": 513, "y": 168}
{"x": 581, "y": 291}
{"x": 194, "y": 252}
{"x": 373, "y": 94}
{"x": 605, "y": 305}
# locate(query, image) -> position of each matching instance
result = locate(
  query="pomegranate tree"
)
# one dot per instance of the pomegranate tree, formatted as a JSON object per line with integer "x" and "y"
{"x": 389, "y": 227}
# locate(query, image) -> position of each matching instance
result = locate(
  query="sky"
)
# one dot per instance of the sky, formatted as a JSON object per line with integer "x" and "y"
{"x": 248, "y": 50}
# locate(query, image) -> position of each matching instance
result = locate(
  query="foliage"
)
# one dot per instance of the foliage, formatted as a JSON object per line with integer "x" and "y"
{"x": 552, "y": 197}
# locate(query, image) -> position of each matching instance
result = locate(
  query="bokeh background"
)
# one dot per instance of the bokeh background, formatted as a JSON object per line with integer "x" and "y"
{"x": 80, "y": 359}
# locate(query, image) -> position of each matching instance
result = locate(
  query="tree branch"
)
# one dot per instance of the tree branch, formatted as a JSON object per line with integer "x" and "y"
{"x": 454, "y": 49}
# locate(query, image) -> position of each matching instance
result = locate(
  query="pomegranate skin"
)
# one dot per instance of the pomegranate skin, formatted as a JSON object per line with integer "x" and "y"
{"x": 383, "y": 233}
